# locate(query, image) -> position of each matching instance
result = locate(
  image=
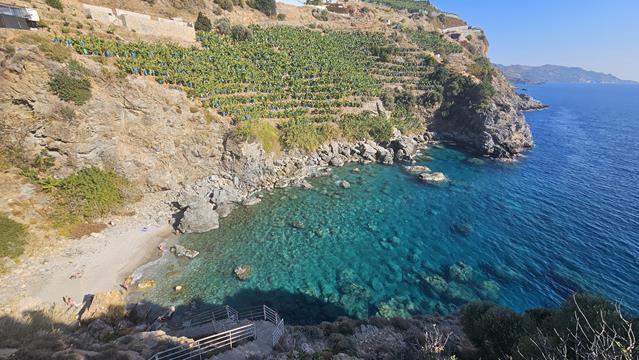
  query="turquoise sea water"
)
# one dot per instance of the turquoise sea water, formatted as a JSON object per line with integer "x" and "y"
{"x": 564, "y": 218}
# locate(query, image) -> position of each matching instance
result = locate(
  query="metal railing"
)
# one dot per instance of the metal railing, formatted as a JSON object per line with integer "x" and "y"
{"x": 204, "y": 347}
{"x": 216, "y": 314}
{"x": 278, "y": 332}
{"x": 227, "y": 339}
{"x": 262, "y": 312}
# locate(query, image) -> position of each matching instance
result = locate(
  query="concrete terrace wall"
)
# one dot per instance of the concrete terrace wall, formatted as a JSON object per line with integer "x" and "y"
{"x": 174, "y": 29}
{"x": 102, "y": 14}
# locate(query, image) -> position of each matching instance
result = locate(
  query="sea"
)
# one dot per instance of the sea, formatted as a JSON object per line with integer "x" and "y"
{"x": 563, "y": 218}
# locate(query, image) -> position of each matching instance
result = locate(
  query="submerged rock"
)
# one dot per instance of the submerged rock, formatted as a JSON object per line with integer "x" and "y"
{"x": 460, "y": 293}
{"x": 433, "y": 178}
{"x": 181, "y": 251}
{"x": 251, "y": 201}
{"x": 462, "y": 229}
{"x": 146, "y": 284}
{"x": 460, "y": 271}
{"x": 396, "y": 307}
{"x": 242, "y": 272}
{"x": 297, "y": 224}
{"x": 490, "y": 289}
{"x": 436, "y": 283}
{"x": 344, "y": 184}
{"x": 417, "y": 169}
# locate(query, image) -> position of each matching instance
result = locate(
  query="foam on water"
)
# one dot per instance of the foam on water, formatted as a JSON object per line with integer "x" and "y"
{"x": 564, "y": 218}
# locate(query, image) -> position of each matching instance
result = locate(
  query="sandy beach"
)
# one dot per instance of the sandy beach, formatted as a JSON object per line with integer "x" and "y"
{"x": 97, "y": 263}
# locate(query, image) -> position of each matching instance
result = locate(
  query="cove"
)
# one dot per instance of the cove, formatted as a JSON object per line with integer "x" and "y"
{"x": 564, "y": 218}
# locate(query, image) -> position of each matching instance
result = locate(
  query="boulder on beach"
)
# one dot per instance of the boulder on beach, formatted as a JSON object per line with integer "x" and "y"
{"x": 433, "y": 178}
{"x": 198, "y": 217}
{"x": 242, "y": 272}
{"x": 338, "y": 160}
{"x": 181, "y": 251}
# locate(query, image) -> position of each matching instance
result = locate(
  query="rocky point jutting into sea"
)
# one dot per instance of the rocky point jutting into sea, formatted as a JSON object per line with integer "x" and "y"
{"x": 324, "y": 162}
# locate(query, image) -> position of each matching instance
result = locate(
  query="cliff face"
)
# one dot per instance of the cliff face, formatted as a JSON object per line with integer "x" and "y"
{"x": 496, "y": 129}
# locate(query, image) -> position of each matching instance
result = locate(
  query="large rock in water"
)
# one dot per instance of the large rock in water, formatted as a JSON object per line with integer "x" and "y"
{"x": 497, "y": 128}
{"x": 199, "y": 217}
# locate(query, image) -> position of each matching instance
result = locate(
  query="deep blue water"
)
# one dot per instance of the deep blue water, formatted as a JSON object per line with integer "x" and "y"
{"x": 563, "y": 218}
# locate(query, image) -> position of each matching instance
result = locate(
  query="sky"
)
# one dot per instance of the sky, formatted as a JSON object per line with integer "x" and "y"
{"x": 595, "y": 35}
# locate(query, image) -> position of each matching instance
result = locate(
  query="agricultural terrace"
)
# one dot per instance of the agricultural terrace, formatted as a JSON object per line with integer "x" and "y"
{"x": 278, "y": 73}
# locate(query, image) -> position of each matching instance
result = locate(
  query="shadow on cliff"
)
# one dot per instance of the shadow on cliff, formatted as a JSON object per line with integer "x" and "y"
{"x": 115, "y": 326}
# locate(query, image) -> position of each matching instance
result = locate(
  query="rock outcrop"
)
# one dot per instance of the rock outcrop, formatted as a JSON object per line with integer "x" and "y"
{"x": 497, "y": 129}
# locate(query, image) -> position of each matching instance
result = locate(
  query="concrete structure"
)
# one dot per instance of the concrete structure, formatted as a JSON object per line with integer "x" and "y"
{"x": 461, "y": 32}
{"x": 174, "y": 29}
{"x": 17, "y": 17}
{"x": 102, "y": 14}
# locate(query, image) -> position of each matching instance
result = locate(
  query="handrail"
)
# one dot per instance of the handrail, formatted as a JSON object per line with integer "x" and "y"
{"x": 216, "y": 314}
{"x": 208, "y": 344}
{"x": 226, "y": 339}
{"x": 278, "y": 332}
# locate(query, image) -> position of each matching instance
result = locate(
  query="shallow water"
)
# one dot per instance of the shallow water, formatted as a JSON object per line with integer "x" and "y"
{"x": 564, "y": 218}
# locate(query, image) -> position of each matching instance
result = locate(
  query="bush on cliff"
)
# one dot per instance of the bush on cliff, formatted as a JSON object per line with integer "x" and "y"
{"x": 304, "y": 134}
{"x": 56, "y": 4}
{"x": 223, "y": 26}
{"x": 71, "y": 87}
{"x": 260, "y": 131}
{"x": 203, "y": 23}
{"x": 366, "y": 126}
{"x": 225, "y": 4}
{"x": 241, "y": 33}
{"x": 585, "y": 326}
{"x": 12, "y": 238}
{"x": 88, "y": 194}
{"x": 268, "y": 7}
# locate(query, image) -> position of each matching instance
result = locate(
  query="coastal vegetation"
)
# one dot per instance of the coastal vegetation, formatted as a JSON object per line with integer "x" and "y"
{"x": 71, "y": 84}
{"x": 583, "y": 327}
{"x": 13, "y": 236}
{"x": 80, "y": 198}
{"x": 307, "y": 84}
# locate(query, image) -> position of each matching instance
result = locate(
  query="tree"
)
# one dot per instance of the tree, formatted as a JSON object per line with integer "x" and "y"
{"x": 268, "y": 7}
{"x": 223, "y": 26}
{"x": 241, "y": 33}
{"x": 202, "y": 23}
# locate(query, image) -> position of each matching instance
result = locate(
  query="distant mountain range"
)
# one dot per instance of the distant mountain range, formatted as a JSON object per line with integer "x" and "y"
{"x": 523, "y": 74}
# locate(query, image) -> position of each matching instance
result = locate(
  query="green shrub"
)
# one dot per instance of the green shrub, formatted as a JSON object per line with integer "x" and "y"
{"x": 268, "y": 7}
{"x": 281, "y": 17}
{"x": 433, "y": 41}
{"x": 225, "y": 4}
{"x": 56, "y": 4}
{"x": 494, "y": 329}
{"x": 304, "y": 134}
{"x": 71, "y": 87}
{"x": 260, "y": 131}
{"x": 203, "y": 23}
{"x": 241, "y": 33}
{"x": 217, "y": 10}
{"x": 88, "y": 194}
{"x": 223, "y": 26}
{"x": 321, "y": 15}
{"x": 13, "y": 236}
{"x": 366, "y": 126}
{"x": 383, "y": 53}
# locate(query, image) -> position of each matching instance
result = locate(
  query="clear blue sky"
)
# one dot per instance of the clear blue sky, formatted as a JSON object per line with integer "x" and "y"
{"x": 596, "y": 35}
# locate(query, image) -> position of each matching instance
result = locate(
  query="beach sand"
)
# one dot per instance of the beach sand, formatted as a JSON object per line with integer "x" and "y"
{"x": 97, "y": 263}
